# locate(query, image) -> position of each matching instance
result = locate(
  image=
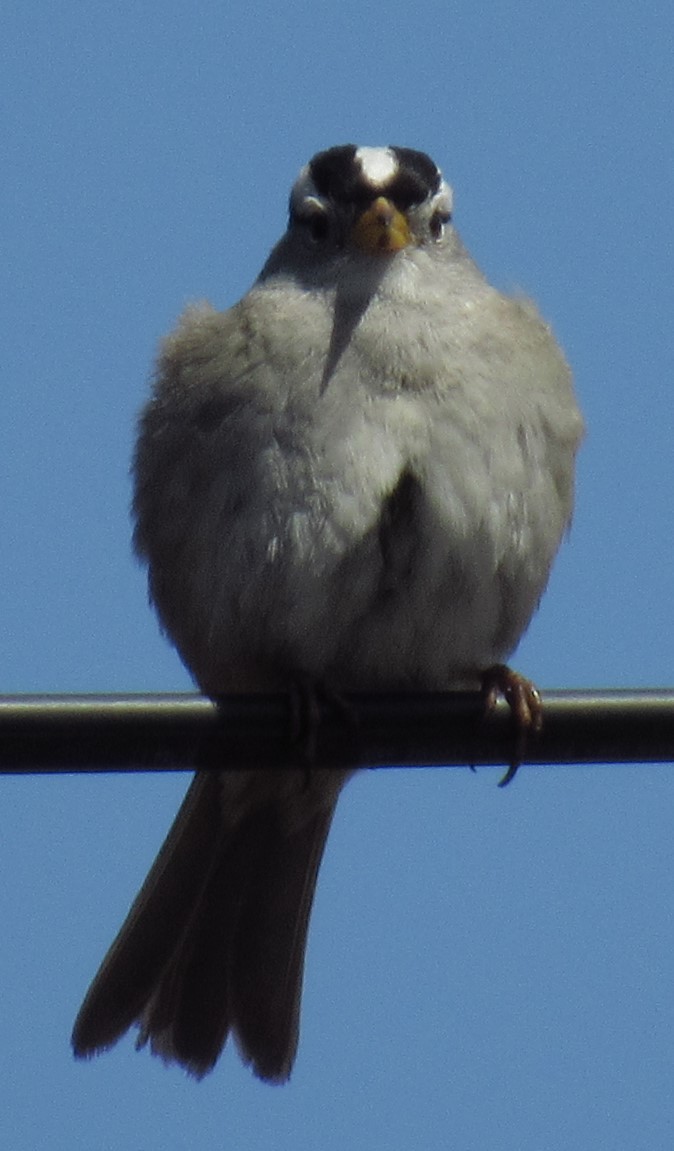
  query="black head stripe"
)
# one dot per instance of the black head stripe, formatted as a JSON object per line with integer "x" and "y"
{"x": 417, "y": 178}
{"x": 337, "y": 175}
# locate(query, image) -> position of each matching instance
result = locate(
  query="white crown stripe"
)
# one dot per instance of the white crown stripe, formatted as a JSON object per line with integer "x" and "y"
{"x": 378, "y": 165}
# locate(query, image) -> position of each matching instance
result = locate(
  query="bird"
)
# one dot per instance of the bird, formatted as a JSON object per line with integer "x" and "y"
{"x": 355, "y": 479}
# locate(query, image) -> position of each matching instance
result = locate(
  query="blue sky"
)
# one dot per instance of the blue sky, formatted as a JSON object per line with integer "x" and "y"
{"x": 486, "y": 969}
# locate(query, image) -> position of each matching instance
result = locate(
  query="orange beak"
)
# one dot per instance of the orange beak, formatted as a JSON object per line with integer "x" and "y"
{"x": 381, "y": 229}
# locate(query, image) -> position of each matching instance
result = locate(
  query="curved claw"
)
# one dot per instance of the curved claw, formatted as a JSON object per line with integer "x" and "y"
{"x": 526, "y": 708}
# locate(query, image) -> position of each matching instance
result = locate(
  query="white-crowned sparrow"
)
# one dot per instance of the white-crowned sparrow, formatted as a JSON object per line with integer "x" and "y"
{"x": 357, "y": 477}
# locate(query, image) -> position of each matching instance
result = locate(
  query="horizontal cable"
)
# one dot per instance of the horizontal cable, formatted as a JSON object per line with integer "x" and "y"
{"x": 88, "y": 733}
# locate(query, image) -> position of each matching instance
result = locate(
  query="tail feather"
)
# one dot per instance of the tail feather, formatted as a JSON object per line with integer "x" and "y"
{"x": 157, "y": 920}
{"x": 268, "y": 964}
{"x": 215, "y": 940}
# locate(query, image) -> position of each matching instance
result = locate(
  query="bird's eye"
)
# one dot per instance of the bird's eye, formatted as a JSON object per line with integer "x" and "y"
{"x": 437, "y": 223}
{"x": 315, "y": 225}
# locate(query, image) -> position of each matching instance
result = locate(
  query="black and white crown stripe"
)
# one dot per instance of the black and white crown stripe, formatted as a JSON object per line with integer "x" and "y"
{"x": 357, "y": 175}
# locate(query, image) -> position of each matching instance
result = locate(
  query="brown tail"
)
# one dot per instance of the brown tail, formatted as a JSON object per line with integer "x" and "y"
{"x": 214, "y": 942}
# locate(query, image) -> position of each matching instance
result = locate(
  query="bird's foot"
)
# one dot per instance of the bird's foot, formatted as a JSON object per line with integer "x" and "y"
{"x": 306, "y": 697}
{"x": 526, "y": 708}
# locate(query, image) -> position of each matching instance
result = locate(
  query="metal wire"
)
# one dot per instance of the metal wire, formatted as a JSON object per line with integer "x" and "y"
{"x": 89, "y": 733}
